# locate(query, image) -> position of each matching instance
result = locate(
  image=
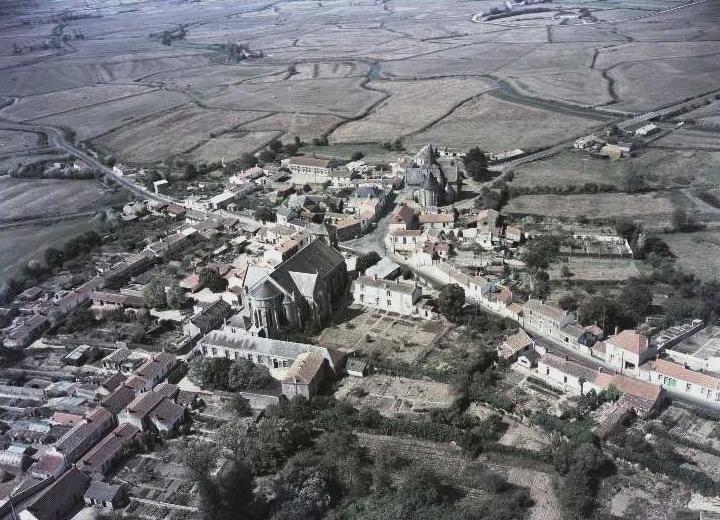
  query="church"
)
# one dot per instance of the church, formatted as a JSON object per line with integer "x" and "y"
{"x": 427, "y": 182}
{"x": 304, "y": 289}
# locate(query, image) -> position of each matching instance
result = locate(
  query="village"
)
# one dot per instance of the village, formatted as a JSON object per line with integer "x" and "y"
{"x": 301, "y": 276}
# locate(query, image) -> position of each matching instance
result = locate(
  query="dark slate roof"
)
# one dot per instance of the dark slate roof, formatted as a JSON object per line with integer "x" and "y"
{"x": 103, "y": 492}
{"x": 265, "y": 291}
{"x": 59, "y": 499}
{"x": 316, "y": 258}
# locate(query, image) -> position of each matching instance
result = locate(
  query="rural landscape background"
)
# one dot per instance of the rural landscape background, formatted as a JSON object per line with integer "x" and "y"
{"x": 152, "y": 82}
{"x": 360, "y": 259}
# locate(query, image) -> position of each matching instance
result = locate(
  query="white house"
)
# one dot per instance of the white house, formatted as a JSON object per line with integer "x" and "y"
{"x": 386, "y": 294}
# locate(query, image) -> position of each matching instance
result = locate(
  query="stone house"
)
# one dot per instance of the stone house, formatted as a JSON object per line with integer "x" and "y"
{"x": 386, "y": 295}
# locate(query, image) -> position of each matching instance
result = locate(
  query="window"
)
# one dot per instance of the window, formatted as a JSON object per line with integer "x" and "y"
{"x": 388, "y": 294}
{"x": 564, "y": 379}
{"x": 388, "y": 303}
{"x": 547, "y": 371}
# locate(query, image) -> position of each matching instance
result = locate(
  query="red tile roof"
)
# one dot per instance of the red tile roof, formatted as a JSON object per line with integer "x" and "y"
{"x": 681, "y": 373}
{"x": 630, "y": 341}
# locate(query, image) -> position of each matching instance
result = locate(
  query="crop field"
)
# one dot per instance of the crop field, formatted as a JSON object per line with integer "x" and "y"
{"x": 96, "y": 120}
{"x": 398, "y": 115}
{"x": 658, "y": 167}
{"x": 697, "y": 253}
{"x": 12, "y": 142}
{"x": 358, "y": 72}
{"x": 232, "y": 145}
{"x": 499, "y": 125}
{"x": 173, "y": 133}
{"x": 22, "y": 198}
{"x": 42, "y": 105}
{"x": 645, "y": 206}
{"x": 23, "y": 244}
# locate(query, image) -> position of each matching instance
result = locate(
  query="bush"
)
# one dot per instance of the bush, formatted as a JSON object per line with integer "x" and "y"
{"x": 369, "y": 259}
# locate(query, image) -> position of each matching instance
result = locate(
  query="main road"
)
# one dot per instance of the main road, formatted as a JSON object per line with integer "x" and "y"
{"x": 56, "y": 139}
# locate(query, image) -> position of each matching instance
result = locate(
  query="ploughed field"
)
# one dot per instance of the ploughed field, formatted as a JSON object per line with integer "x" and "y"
{"x": 147, "y": 80}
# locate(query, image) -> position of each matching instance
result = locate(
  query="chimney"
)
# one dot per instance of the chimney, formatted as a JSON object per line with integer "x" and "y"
{"x": 616, "y": 330}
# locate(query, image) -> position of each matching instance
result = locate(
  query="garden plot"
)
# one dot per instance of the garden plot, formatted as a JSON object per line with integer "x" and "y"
{"x": 392, "y": 336}
{"x": 499, "y": 126}
{"x": 173, "y": 133}
{"x": 412, "y": 106}
{"x": 395, "y": 395}
{"x": 343, "y": 97}
{"x": 596, "y": 269}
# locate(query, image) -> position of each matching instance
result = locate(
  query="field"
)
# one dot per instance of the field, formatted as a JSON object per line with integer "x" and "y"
{"x": 358, "y": 72}
{"x": 498, "y": 125}
{"x": 13, "y": 142}
{"x": 659, "y": 167}
{"x": 176, "y": 132}
{"x": 646, "y": 206}
{"x": 398, "y": 115}
{"x": 698, "y": 253}
{"x": 25, "y": 205}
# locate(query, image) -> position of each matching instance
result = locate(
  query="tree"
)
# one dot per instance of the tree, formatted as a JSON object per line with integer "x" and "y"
{"x": 246, "y": 161}
{"x": 154, "y": 295}
{"x": 541, "y": 251}
{"x": 568, "y": 302}
{"x": 246, "y": 375}
{"x": 682, "y": 221}
{"x": 53, "y": 257}
{"x": 451, "y": 301}
{"x": 275, "y": 145}
{"x": 190, "y": 171}
{"x": 265, "y": 214}
{"x": 176, "y": 297}
{"x": 268, "y": 156}
{"x": 633, "y": 181}
{"x": 566, "y": 274}
{"x": 475, "y": 162}
{"x": 357, "y": 156}
{"x": 211, "y": 279}
{"x": 239, "y": 406}
{"x": 369, "y": 259}
{"x": 290, "y": 149}
{"x": 212, "y": 373}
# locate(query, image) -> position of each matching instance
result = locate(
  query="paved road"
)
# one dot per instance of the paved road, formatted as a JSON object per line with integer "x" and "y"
{"x": 57, "y": 140}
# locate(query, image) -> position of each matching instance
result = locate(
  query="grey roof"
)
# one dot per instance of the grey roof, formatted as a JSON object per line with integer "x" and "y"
{"x": 102, "y": 491}
{"x": 59, "y": 499}
{"x": 368, "y": 192}
{"x": 386, "y": 284}
{"x": 383, "y": 269}
{"x": 212, "y": 315}
{"x": 430, "y": 183}
{"x": 299, "y": 273}
{"x": 265, "y": 290}
{"x": 263, "y": 346}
